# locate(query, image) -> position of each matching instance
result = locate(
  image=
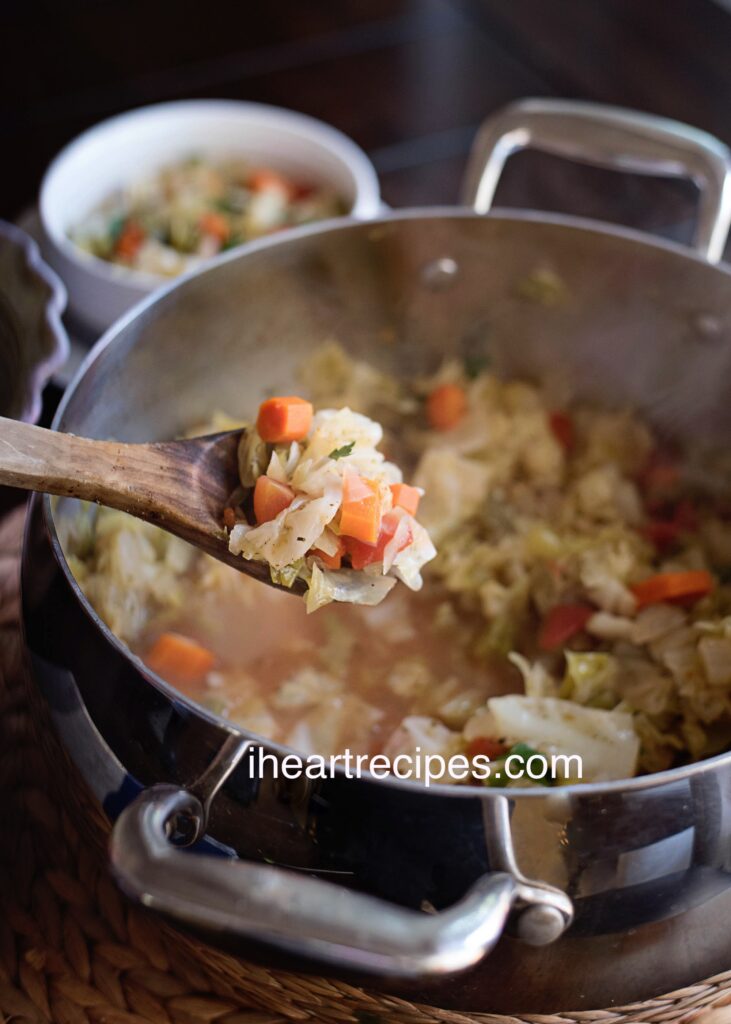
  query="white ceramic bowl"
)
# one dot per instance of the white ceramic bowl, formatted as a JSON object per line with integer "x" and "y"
{"x": 134, "y": 145}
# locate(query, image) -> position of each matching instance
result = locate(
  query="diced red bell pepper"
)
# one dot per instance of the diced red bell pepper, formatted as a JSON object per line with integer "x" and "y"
{"x": 562, "y": 623}
{"x": 664, "y": 532}
{"x": 486, "y": 746}
{"x": 362, "y": 554}
{"x": 562, "y": 428}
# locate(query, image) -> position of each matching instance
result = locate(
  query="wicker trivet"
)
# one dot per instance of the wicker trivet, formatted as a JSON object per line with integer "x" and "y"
{"x": 73, "y": 951}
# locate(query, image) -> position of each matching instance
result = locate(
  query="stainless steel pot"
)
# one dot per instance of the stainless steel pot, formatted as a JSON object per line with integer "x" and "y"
{"x": 591, "y": 894}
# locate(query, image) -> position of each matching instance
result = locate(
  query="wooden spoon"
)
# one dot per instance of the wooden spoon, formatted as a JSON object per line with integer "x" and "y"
{"x": 180, "y": 486}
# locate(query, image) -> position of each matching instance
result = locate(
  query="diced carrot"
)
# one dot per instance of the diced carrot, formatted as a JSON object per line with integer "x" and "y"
{"x": 179, "y": 657}
{"x": 270, "y": 498}
{"x": 445, "y": 406}
{"x": 229, "y": 518}
{"x": 360, "y": 512}
{"x": 284, "y": 419}
{"x": 562, "y": 428}
{"x": 266, "y": 180}
{"x": 331, "y": 561}
{"x": 406, "y": 497}
{"x": 484, "y": 745}
{"x": 561, "y": 623}
{"x": 673, "y": 586}
{"x": 130, "y": 240}
{"x": 212, "y": 223}
{"x": 362, "y": 554}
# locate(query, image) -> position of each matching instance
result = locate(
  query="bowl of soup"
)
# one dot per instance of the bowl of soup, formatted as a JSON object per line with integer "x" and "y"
{"x": 157, "y": 192}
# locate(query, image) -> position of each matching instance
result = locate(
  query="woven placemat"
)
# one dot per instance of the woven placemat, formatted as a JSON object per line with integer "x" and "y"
{"x": 74, "y": 951}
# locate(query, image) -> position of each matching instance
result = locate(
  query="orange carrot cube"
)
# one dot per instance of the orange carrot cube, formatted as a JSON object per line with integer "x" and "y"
{"x": 284, "y": 419}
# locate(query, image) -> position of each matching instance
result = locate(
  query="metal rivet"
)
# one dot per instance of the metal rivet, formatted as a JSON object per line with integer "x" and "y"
{"x": 708, "y": 326}
{"x": 184, "y": 829}
{"x": 440, "y": 273}
{"x": 541, "y": 924}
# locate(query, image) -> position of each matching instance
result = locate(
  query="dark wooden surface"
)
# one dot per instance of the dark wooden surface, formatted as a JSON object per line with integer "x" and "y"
{"x": 410, "y": 80}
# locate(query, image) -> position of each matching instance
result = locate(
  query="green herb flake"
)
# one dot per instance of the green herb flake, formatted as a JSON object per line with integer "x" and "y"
{"x": 116, "y": 226}
{"x": 474, "y": 366}
{"x": 232, "y": 242}
{"x": 340, "y": 453}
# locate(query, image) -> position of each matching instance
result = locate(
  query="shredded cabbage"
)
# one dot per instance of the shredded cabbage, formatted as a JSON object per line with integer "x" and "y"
{"x": 289, "y": 536}
{"x": 346, "y": 585}
{"x": 340, "y": 445}
{"x": 252, "y": 458}
{"x": 537, "y": 501}
{"x": 605, "y": 741}
{"x": 590, "y": 679}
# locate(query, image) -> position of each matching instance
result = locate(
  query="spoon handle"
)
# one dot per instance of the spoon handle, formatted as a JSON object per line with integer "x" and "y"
{"x": 181, "y": 486}
{"x": 37, "y": 459}
{"x": 119, "y": 475}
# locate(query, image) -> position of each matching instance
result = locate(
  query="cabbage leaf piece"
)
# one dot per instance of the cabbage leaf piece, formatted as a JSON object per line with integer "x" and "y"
{"x": 605, "y": 741}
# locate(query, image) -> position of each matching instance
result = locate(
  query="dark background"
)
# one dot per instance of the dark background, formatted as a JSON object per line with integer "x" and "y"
{"x": 410, "y": 80}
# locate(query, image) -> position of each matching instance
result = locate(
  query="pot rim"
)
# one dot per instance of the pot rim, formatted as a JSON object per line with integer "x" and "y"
{"x": 583, "y": 224}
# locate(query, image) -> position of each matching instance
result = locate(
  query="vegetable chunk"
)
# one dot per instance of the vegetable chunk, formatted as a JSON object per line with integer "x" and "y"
{"x": 561, "y": 623}
{"x": 446, "y": 406}
{"x": 270, "y": 498}
{"x": 285, "y": 419}
{"x": 360, "y": 512}
{"x": 406, "y": 497}
{"x": 673, "y": 586}
{"x": 178, "y": 656}
{"x": 362, "y": 554}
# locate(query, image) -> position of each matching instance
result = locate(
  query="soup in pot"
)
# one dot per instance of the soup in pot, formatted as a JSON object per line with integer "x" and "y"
{"x": 579, "y": 601}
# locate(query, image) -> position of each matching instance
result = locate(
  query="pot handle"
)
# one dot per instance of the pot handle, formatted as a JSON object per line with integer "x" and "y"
{"x": 312, "y": 919}
{"x": 611, "y": 137}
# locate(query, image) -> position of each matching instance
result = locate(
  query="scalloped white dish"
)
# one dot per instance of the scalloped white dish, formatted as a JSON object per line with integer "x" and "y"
{"x": 33, "y": 341}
